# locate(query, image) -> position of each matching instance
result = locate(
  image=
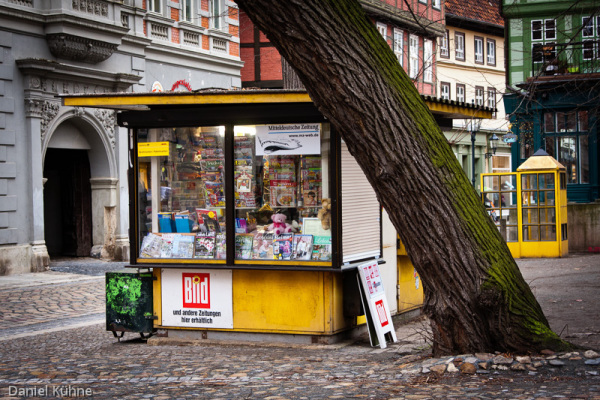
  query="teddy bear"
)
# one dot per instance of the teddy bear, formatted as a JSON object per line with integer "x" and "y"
{"x": 324, "y": 214}
{"x": 279, "y": 225}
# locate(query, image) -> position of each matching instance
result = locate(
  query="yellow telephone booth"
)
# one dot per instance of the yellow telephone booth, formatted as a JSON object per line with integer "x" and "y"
{"x": 530, "y": 207}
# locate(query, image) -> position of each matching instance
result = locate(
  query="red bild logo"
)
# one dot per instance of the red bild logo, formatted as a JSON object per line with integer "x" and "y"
{"x": 381, "y": 312}
{"x": 196, "y": 290}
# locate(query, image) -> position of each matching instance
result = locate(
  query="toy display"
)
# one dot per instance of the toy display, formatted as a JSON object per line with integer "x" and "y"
{"x": 324, "y": 214}
{"x": 279, "y": 225}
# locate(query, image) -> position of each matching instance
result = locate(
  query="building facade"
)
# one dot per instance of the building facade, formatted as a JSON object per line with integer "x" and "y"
{"x": 554, "y": 69}
{"x": 63, "y": 183}
{"x": 411, "y": 29}
{"x": 470, "y": 69}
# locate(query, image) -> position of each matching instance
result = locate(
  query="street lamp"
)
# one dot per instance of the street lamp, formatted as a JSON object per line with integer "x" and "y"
{"x": 493, "y": 146}
{"x": 475, "y": 125}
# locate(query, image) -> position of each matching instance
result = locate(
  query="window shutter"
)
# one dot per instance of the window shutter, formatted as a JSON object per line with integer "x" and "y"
{"x": 361, "y": 225}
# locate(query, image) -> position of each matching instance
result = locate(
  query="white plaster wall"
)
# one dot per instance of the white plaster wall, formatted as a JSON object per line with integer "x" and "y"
{"x": 389, "y": 270}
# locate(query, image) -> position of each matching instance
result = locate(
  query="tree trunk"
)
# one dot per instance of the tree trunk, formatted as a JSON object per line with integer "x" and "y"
{"x": 475, "y": 295}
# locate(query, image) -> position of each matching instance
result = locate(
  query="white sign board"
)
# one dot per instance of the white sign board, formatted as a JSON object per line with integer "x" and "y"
{"x": 197, "y": 298}
{"x": 290, "y": 139}
{"x": 370, "y": 279}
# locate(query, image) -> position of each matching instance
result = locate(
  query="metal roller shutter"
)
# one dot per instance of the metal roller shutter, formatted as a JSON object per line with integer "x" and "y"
{"x": 361, "y": 225}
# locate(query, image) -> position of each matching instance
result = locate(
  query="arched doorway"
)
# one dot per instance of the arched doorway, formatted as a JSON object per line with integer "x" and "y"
{"x": 67, "y": 203}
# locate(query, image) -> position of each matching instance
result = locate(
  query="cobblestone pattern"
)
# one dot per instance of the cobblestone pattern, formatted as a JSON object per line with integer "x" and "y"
{"x": 41, "y": 304}
{"x": 90, "y": 358}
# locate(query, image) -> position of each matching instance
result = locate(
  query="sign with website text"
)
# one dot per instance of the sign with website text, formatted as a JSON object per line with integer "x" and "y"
{"x": 153, "y": 149}
{"x": 377, "y": 307}
{"x": 197, "y": 298}
{"x": 288, "y": 139}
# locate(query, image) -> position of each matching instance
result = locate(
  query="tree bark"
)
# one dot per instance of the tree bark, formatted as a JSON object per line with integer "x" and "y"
{"x": 475, "y": 295}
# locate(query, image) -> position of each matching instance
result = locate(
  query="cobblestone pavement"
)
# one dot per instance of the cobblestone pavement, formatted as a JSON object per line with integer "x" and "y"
{"x": 87, "y": 361}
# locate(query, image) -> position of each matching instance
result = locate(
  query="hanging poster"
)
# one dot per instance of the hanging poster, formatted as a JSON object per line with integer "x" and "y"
{"x": 282, "y": 139}
{"x": 197, "y": 298}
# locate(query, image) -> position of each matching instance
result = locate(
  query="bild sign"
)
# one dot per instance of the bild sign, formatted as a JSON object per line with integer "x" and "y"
{"x": 197, "y": 298}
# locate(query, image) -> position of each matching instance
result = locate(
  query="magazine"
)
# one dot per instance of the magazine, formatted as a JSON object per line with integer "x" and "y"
{"x": 220, "y": 247}
{"x": 302, "y": 247}
{"x": 283, "y": 194}
{"x": 262, "y": 247}
{"x": 214, "y": 194}
{"x": 166, "y": 246}
{"x": 183, "y": 246}
{"x": 209, "y": 219}
{"x": 150, "y": 247}
{"x": 205, "y": 245}
{"x": 243, "y": 246}
{"x": 321, "y": 250}
{"x": 282, "y": 246}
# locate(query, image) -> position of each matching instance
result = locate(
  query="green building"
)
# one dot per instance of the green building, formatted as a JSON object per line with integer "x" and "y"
{"x": 553, "y": 82}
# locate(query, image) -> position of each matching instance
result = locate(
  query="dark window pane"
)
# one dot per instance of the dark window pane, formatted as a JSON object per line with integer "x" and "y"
{"x": 584, "y": 159}
{"x": 549, "y": 123}
{"x": 583, "y": 121}
{"x": 551, "y": 146}
{"x": 567, "y": 156}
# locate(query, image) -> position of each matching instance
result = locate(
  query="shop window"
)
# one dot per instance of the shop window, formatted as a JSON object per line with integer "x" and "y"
{"x": 501, "y": 163}
{"x": 539, "y": 211}
{"x": 181, "y": 193}
{"x": 499, "y": 196}
{"x": 567, "y": 140}
{"x": 277, "y": 189}
{"x": 278, "y": 197}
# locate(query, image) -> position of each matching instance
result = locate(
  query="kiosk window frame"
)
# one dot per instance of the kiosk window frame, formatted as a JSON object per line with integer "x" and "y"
{"x": 227, "y": 218}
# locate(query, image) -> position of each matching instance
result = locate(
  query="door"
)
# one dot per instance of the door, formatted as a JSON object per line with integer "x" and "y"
{"x": 67, "y": 203}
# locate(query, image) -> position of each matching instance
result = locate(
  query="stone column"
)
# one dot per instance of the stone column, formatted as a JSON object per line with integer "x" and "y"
{"x": 104, "y": 216}
{"x": 38, "y": 113}
{"x": 122, "y": 237}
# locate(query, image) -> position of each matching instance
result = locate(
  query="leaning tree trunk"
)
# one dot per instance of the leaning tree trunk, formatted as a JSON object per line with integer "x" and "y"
{"x": 475, "y": 295}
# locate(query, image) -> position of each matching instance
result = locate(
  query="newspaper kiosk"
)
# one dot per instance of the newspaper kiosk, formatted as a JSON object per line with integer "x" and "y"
{"x": 236, "y": 208}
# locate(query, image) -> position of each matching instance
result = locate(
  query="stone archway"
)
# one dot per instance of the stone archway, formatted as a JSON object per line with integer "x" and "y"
{"x": 88, "y": 137}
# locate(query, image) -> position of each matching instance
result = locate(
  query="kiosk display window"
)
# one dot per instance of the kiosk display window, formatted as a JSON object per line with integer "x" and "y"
{"x": 278, "y": 178}
{"x": 181, "y": 192}
{"x": 279, "y": 188}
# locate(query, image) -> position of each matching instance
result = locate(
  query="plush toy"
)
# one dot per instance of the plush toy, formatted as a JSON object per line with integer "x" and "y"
{"x": 324, "y": 214}
{"x": 279, "y": 225}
